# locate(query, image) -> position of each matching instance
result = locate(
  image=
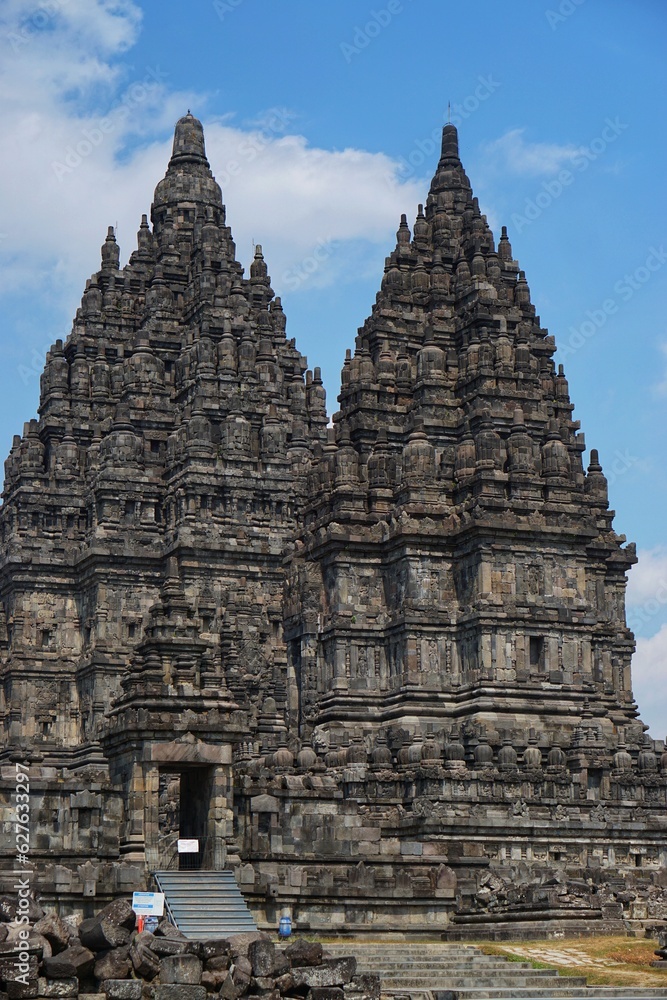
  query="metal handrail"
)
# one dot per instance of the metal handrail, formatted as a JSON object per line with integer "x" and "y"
{"x": 170, "y": 915}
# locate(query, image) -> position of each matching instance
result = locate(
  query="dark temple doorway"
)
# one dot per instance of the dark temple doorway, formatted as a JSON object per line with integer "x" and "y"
{"x": 194, "y": 813}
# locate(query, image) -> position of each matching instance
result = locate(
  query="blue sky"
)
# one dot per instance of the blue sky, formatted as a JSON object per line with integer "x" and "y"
{"x": 320, "y": 120}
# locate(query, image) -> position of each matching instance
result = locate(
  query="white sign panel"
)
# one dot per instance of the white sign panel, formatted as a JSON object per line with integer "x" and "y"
{"x": 148, "y": 903}
{"x": 188, "y": 846}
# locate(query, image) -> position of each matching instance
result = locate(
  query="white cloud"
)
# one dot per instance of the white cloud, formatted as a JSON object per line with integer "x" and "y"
{"x": 529, "y": 158}
{"x": 649, "y": 674}
{"x": 87, "y": 140}
{"x": 293, "y": 198}
{"x": 647, "y": 581}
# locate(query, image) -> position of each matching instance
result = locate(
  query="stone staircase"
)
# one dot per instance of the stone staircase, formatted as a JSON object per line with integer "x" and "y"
{"x": 426, "y": 971}
{"x": 205, "y": 904}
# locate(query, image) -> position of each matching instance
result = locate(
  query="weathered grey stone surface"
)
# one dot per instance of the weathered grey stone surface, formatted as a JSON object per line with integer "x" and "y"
{"x": 185, "y": 969}
{"x": 58, "y": 987}
{"x": 364, "y": 986}
{"x": 262, "y": 957}
{"x": 102, "y": 934}
{"x": 122, "y": 989}
{"x": 241, "y": 972}
{"x": 55, "y": 930}
{"x": 179, "y": 992}
{"x": 304, "y": 952}
{"x": 213, "y": 980}
{"x": 113, "y": 965}
{"x": 375, "y": 663}
{"x": 75, "y": 960}
{"x": 144, "y": 960}
{"x": 331, "y": 972}
{"x": 325, "y": 993}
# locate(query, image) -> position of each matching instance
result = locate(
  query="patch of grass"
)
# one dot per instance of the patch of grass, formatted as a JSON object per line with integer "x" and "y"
{"x": 633, "y": 956}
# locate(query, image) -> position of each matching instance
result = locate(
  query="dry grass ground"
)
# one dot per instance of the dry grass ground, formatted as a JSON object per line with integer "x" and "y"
{"x": 605, "y": 961}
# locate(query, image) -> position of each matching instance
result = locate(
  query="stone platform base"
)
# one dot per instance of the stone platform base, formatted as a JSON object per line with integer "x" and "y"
{"x": 530, "y": 930}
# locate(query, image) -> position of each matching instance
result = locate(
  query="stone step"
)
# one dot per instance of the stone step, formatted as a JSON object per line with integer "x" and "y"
{"x": 410, "y": 947}
{"x": 343, "y": 943}
{"x": 454, "y": 964}
{"x": 478, "y": 959}
{"x": 548, "y": 981}
{"x": 441, "y": 972}
{"x": 408, "y": 956}
{"x": 462, "y": 963}
{"x": 521, "y": 993}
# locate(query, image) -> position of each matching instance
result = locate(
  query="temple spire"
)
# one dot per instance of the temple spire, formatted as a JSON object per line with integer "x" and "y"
{"x": 450, "y": 143}
{"x": 188, "y": 180}
{"x": 188, "y": 142}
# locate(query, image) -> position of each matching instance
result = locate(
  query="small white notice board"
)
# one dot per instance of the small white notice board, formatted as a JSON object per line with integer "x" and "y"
{"x": 148, "y": 903}
{"x": 188, "y": 846}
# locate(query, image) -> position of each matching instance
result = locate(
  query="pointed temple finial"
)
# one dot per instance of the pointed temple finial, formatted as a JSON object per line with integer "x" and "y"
{"x": 188, "y": 141}
{"x": 188, "y": 179}
{"x": 450, "y": 142}
{"x": 449, "y": 112}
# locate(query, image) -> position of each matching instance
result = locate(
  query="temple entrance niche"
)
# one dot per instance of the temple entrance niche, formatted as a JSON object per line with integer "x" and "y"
{"x": 183, "y": 814}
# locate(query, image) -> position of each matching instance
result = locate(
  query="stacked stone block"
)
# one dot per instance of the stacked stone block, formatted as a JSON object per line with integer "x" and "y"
{"x": 105, "y": 956}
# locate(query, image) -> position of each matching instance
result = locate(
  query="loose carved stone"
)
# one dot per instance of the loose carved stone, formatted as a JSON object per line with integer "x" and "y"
{"x": 262, "y": 956}
{"x": 325, "y": 993}
{"x": 60, "y": 988}
{"x": 213, "y": 980}
{"x": 144, "y": 960}
{"x": 172, "y": 946}
{"x": 122, "y": 989}
{"x": 242, "y": 973}
{"x": 179, "y": 992}
{"x": 75, "y": 960}
{"x": 55, "y": 930}
{"x": 101, "y": 935}
{"x": 218, "y": 963}
{"x": 119, "y": 913}
{"x": 228, "y": 989}
{"x": 364, "y": 986}
{"x": 304, "y": 952}
{"x": 186, "y": 969}
{"x": 113, "y": 965}
{"x": 331, "y": 972}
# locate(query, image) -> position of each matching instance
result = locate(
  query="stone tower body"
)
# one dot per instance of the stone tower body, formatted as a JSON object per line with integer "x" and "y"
{"x": 467, "y": 569}
{"x": 379, "y": 668}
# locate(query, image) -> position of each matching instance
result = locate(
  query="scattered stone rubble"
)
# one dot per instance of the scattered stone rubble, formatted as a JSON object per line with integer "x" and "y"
{"x": 106, "y": 957}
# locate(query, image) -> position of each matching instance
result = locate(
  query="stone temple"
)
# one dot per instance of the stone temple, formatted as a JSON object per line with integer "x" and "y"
{"x": 379, "y": 667}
